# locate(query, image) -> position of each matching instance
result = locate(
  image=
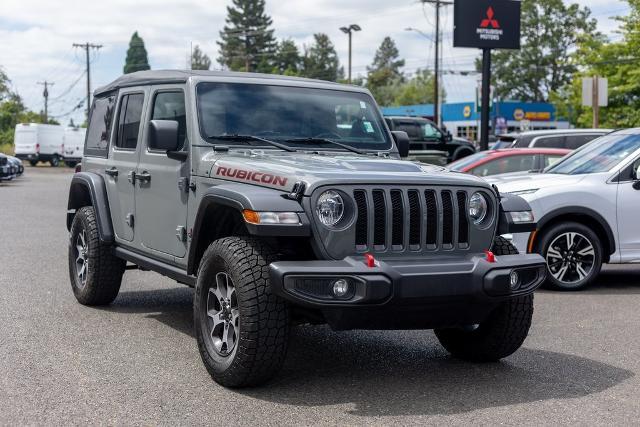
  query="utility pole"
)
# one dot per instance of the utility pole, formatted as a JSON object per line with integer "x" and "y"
{"x": 349, "y": 31}
{"x": 45, "y": 93}
{"x": 437, "y": 116}
{"x": 88, "y": 46}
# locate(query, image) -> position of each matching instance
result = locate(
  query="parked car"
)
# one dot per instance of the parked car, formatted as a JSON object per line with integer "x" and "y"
{"x": 428, "y": 140}
{"x": 8, "y": 170}
{"x": 285, "y": 200}
{"x": 493, "y": 162}
{"x": 586, "y": 207}
{"x": 17, "y": 163}
{"x": 570, "y": 139}
{"x": 73, "y": 145}
{"x": 38, "y": 142}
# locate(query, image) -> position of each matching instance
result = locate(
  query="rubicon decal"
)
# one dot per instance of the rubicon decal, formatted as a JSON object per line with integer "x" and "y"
{"x": 253, "y": 176}
{"x": 486, "y": 33}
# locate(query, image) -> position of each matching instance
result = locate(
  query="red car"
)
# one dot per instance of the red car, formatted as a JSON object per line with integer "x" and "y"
{"x": 508, "y": 160}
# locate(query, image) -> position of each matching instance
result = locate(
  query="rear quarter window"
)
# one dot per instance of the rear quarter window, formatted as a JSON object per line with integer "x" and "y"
{"x": 99, "y": 131}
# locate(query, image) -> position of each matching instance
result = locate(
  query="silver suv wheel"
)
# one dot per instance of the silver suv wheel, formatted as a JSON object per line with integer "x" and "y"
{"x": 223, "y": 315}
{"x": 570, "y": 257}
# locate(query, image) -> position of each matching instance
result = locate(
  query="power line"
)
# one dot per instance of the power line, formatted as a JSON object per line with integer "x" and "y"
{"x": 87, "y": 48}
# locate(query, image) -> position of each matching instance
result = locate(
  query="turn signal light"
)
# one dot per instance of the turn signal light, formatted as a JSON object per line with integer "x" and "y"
{"x": 253, "y": 217}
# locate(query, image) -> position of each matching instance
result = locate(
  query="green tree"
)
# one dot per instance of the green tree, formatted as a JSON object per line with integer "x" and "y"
{"x": 321, "y": 60}
{"x": 551, "y": 30}
{"x": 384, "y": 74}
{"x": 4, "y": 84}
{"x": 287, "y": 59}
{"x": 247, "y": 42}
{"x": 417, "y": 90}
{"x": 137, "y": 59}
{"x": 199, "y": 59}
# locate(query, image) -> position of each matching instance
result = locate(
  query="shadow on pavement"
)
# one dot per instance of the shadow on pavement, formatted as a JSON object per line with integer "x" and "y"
{"x": 395, "y": 373}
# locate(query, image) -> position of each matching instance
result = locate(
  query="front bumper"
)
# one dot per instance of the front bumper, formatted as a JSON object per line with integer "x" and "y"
{"x": 406, "y": 293}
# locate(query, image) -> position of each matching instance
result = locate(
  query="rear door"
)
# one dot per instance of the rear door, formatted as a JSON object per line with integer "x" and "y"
{"x": 123, "y": 160}
{"x": 628, "y": 206}
{"x": 161, "y": 199}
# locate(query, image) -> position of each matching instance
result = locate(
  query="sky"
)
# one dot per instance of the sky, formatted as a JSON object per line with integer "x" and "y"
{"x": 37, "y": 37}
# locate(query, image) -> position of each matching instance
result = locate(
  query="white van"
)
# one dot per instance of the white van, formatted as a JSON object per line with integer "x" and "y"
{"x": 37, "y": 142}
{"x": 73, "y": 145}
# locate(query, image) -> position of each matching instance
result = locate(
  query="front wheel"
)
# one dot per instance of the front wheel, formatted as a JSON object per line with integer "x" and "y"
{"x": 241, "y": 327}
{"x": 33, "y": 162}
{"x": 574, "y": 256}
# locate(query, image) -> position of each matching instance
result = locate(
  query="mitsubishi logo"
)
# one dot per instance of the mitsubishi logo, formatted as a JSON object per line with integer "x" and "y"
{"x": 489, "y": 20}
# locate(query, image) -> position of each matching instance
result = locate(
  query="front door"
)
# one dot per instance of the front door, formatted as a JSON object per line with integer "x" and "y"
{"x": 122, "y": 162}
{"x": 628, "y": 206}
{"x": 162, "y": 193}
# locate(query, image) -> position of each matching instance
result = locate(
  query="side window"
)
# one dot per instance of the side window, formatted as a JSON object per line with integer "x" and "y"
{"x": 99, "y": 132}
{"x": 551, "y": 159}
{"x": 577, "y": 141}
{"x": 551, "y": 142}
{"x": 412, "y": 129}
{"x": 171, "y": 106}
{"x": 506, "y": 165}
{"x": 430, "y": 132}
{"x": 129, "y": 121}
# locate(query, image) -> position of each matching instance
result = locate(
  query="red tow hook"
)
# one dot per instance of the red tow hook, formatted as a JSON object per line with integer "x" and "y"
{"x": 370, "y": 260}
{"x": 490, "y": 256}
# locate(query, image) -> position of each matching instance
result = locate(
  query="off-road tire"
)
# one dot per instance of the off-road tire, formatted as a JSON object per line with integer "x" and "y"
{"x": 501, "y": 334}
{"x": 104, "y": 270}
{"x": 548, "y": 236}
{"x": 55, "y": 161}
{"x": 33, "y": 163}
{"x": 261, "y": 345}
{"x": 502, "y": 246}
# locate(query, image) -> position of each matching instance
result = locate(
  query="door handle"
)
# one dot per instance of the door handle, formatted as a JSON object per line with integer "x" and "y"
{"x": 143, "y": 177}
{"x": 112, "y": 172}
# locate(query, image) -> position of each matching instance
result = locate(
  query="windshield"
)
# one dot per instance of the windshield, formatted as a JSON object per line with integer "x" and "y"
{"x": 600, "y": 155}
{"x": 460, "y": 165}
{"x": 285, "y": 113}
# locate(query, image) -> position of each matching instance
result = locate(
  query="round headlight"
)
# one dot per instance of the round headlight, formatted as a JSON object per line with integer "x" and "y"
{"x": 478, "y": 208}
{"x": 330, "y": 208}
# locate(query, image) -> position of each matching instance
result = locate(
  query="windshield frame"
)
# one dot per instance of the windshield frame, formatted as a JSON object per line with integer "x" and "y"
{"x": 386, "y": 146}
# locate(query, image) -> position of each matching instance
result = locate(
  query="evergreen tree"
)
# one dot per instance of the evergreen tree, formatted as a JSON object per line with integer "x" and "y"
{"x": 321, "y": 60}
{"x": 199, "y": 59}
{"x": 287, "y": 58}
{"x": 247, "y": 42}
{"x": 137, "y": 59}
{"x": 384, "y": 74}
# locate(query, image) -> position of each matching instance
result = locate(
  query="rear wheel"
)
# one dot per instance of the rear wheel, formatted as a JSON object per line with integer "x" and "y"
{"x": 33, "y": 162}
{"x": 70, "y": 164}
{"x": 241, "y": 326}
{"x": 94, "y": 271}
{"x": 501, "y": 334}
{"x": 574, "y": 256}
{"x": 55, "y": 161}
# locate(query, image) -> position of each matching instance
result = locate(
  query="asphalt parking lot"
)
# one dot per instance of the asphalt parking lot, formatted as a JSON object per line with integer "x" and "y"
{"x": 136, "y": 361}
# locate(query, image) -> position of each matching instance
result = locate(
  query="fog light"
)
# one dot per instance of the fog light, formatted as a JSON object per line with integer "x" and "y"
{"x": 514, "y": 280}
{"x": 340, "y": 288}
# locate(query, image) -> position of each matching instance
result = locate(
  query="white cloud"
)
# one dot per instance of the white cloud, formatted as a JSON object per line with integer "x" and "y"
{"x": 37, "y": 37}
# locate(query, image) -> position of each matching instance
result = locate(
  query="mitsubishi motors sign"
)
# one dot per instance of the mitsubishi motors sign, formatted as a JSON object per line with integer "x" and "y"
{"x": 492, "y": 24}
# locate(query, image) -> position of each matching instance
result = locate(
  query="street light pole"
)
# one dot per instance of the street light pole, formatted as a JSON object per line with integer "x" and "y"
{"x": 349, "y": 30}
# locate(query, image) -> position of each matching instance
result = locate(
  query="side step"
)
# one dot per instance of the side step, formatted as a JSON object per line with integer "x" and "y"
{"x": 147, "y": 263}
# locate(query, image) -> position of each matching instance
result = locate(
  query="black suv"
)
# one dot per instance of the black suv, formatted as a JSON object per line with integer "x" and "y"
{"x": 426, "y": 135}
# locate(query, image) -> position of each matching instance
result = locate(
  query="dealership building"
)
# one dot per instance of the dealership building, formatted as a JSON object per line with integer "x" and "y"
{"x": 463, "y": 118}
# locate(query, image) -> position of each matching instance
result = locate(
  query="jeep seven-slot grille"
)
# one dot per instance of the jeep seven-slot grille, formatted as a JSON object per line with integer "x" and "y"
{"x": 410, "y": 219}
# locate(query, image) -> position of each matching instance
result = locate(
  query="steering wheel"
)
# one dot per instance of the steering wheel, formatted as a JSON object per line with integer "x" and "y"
{"x": 328, "y": 134}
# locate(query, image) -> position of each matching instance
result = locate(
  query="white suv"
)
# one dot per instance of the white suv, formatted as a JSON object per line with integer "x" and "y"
{"x": 587, "y": 208}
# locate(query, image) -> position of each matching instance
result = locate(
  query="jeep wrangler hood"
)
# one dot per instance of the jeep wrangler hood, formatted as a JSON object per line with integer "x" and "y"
{"x": 283, "y": 170}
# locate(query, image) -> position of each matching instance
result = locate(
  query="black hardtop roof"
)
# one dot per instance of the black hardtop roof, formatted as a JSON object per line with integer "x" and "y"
{"x": 149, "y": 77}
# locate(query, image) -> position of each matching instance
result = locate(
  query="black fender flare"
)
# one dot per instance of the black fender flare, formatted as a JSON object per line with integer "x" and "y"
{"x": 90, "y": 183}
{"x": 241, "y": 197}
{"x": 581, "y": 210}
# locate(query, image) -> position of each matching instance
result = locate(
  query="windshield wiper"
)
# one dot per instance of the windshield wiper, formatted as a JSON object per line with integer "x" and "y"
{"x": 249, "y": 138}
{"x": 311, "y": 140}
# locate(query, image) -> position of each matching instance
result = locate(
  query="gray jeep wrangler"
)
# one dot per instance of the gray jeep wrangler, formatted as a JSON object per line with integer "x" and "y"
{"x": 283, "y": 201}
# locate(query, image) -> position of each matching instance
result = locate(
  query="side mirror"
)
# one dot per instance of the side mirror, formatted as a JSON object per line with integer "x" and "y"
{"x": 163, "y": 135}
{"x": 402, "y": 142}
{"x": 448, "y": 137}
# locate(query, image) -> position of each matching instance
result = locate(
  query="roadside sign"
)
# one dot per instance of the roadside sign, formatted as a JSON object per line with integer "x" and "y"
{"x": 587, "y": 91}
{"x": 492, "y": 24}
